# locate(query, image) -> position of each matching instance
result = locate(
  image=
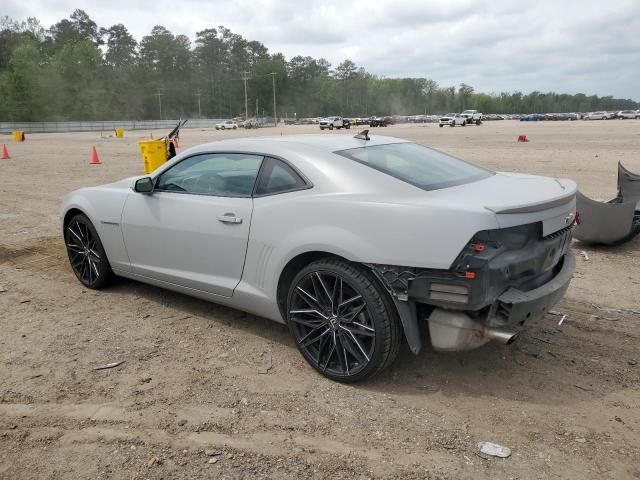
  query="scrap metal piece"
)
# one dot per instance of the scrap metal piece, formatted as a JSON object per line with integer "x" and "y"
{"x": 605, "y": 223}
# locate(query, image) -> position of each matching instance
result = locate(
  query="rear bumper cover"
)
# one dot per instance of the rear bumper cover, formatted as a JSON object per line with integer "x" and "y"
{"x": 515, "y": 308}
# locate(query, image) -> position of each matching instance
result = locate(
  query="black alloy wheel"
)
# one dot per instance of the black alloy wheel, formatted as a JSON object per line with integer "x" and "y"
{"x": 86, "y": 253}
{"x": 344, "y": 324}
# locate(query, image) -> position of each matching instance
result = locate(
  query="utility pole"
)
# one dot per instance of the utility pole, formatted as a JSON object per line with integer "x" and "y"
{"x": 159, "y": 95}
{"x": 275, "y": 113}
{"x": 257, "y": 110}
{"x": 246, "y": 108}
{"x": 198, "y": 95}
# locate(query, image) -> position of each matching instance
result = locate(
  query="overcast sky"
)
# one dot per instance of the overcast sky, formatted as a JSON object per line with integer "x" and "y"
{"x": 589, "y": 46}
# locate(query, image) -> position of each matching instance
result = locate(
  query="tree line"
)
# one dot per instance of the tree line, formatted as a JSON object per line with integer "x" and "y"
{"x": 75, "y": 70}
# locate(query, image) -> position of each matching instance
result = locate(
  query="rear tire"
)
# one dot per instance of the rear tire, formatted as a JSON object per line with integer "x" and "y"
{"x": 86, "y": 254}
{"x": 342, "y": 320}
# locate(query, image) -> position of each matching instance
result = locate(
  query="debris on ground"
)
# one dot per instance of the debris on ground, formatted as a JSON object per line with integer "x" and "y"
{"x": 494, "y": 450}
{"x": 152, "y": 461}
{"x": 109, "y": 365}
{"x": 213, "y": 460}
{"x": 182, "y": 423}
{"x": 584, "y": 254}
{"x": 266, "y": 366}
{"x": 562, "y": 320}
{"x": 586, "y": 389}
{"x": 212, "y": 452}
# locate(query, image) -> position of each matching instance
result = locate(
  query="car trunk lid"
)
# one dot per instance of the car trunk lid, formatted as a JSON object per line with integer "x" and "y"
{"x": 518, "y": 199}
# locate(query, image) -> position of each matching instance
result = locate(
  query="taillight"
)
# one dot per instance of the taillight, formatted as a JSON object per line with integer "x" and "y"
{"x": 577, "y": 219}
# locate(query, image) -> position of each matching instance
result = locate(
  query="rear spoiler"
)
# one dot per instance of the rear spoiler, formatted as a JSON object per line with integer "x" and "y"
{"x": 534, "y": 207}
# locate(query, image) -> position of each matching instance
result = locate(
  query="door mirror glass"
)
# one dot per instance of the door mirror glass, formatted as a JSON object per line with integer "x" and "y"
{"x": 144, "y": 185}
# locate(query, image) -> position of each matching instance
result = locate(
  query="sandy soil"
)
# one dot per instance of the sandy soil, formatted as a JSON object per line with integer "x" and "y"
{"x": 193, "y": 385}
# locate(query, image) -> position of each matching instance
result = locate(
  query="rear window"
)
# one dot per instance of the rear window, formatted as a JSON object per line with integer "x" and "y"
{"x": 417, "y": 165}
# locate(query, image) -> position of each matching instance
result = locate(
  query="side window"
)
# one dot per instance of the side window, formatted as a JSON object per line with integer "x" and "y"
{"x": 278, "y": 177}
{"x": 219, "y": 174}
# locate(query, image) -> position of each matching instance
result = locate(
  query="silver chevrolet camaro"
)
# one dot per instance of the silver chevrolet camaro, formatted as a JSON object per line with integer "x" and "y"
{"x": 356, "y": 243}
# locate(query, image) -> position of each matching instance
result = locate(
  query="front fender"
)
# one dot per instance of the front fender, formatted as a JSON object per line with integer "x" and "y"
{"x": 103, "y": 206}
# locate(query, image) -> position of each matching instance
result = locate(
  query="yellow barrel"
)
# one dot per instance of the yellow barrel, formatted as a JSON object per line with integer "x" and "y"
{"x": 154, "y": 153}
{"x": 18, "y": 135}
{"x": 120, "y": 132}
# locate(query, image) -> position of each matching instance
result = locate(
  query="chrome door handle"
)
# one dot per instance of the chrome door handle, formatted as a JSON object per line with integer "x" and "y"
{"x": 230, "y": 218}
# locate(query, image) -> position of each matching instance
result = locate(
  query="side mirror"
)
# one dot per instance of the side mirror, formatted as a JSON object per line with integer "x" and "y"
{"x": 144, "y": 185}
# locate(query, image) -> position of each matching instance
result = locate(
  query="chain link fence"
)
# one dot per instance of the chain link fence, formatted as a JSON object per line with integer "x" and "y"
{"x": 105, "y": 126}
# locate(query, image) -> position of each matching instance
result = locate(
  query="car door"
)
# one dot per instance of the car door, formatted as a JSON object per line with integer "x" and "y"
{"x": 193, "y": 229}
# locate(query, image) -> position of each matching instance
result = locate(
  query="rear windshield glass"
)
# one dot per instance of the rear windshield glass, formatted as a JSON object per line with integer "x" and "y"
{"x": 420, "y": 166}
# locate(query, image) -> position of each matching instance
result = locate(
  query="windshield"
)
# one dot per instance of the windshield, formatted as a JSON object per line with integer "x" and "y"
{"x": 420, "y": 166}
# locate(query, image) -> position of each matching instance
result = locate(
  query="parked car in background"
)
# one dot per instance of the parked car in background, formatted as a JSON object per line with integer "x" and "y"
{"x": 354, "y": 243}
{"x": 472, "y": 116}
{"x": 596, "y": 116}
{"x": 331, "y": 122}
{"x": 453, "y": 119}
{"x": 227, "y": 125}
{"x": 627, "y": 114}
{"x": 379, "y": 121}
{"x": 251, "y": 123}
{"x": 532, "y": 117}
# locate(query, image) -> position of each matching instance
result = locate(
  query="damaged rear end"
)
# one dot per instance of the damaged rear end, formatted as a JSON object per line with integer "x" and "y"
{"x": 503, "y": 279}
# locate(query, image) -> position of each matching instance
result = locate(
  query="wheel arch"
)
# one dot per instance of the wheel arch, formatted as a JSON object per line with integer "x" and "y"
{"x": 405, "y": 310}
{"x": 69, "y": 214}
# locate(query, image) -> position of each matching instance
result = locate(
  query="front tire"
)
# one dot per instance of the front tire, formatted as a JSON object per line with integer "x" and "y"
{"x": 86, "y": 254}
{"x": 343, "y": 322}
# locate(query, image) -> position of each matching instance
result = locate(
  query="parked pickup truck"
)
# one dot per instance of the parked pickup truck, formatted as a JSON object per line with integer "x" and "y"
{"x": 452, "y": 119}
{"x": 472, "y": 116}
{"x": 332, "y": 122}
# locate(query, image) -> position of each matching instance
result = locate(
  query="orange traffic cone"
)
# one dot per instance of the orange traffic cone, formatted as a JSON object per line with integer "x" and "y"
{"x": 5, "y": 152}
{"x": 176, "y": 143}
{"x": 95, "y": 160}
{"x": 522, "y": 138}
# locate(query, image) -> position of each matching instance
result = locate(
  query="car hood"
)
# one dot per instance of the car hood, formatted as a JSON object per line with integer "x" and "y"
{"x": 125, "y": 183}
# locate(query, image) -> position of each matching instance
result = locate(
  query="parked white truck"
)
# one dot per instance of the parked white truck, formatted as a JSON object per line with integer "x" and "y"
{"x": 452, "y": 119}
{"x": 472, "y": 116}
{"x": 331, "y": 123}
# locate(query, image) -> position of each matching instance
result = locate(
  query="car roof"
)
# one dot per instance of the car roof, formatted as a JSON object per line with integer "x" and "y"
{"x": 321, "y": 142}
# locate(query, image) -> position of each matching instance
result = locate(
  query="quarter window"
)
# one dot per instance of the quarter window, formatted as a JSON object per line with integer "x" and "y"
{"x": 219, "y": 174}
{"x": 278, "y": 177}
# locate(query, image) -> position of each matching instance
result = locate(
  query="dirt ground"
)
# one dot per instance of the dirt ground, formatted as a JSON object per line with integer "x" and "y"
{"x": 210, "y": 392}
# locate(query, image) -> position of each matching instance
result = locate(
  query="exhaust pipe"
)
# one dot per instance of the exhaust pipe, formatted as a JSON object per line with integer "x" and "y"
{"x": 503, "y": 336}
{"x": 455, "y": 331}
